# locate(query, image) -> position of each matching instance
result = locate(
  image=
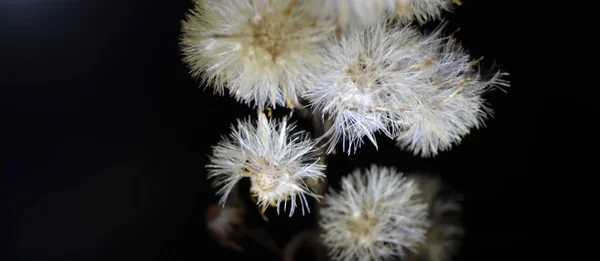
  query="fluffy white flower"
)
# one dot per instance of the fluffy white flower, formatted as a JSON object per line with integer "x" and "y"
{"x": 275, "y": 159}
{"x": 365, "y": 13}
{"x": 377, "y": 215}
{"x": 363, "y": 86}
{"x": 445, "y": 232}
{"x": 455, "y": 105}
{"x": 422, "y": 90}
{"x": 256, "y": 49}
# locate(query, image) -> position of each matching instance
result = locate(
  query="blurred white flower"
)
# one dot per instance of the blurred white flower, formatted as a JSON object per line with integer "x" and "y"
{"x": 256, "y": 49}
{"x": 377, "y": 215}
{"x": 364, "y": 88}
{"x": 445, "y": 232}
{"x": 226, "y": 225}
{"x": 422, "y": 90}
{"x": 275, "y": 159}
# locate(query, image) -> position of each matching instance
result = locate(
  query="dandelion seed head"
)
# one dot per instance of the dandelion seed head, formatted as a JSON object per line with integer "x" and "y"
{"x": 275, "y": 158}
{"x": 376, "y": 215}
{"x": 372, "y": 79}
{"x": 422, "y": 90}
{"x": 257, "y": 50}
{"x": 452, "y": 105}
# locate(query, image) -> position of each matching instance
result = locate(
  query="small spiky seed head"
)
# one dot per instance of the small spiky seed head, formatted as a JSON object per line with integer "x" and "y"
{"x": 276, "y": 159}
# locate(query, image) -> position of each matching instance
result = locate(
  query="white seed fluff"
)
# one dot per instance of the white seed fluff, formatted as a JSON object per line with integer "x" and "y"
{"x": 275, "y": 159}
{"x": 365, "y": 13}
{"x": 421, "y": 10}
{"x": 377, "y": 215}
{"x": 448, "y": 111}
{"x": 256, "y": 49}
{"x": 363, "y": 88}
{"x": 422, "y": 90}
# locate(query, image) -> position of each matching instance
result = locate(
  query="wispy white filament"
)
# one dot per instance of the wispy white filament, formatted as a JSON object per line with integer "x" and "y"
{"x": 377, "y": 215}
{"x": 275, "y": 158}
{"x": 365, "y": 13}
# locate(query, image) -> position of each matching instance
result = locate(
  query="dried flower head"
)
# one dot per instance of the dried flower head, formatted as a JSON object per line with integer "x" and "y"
{"x": 445, "y": 232}
{"x": 451, "y": 102}
{"x": 275, "y": 159}
{"x": 422, "y": 90}
{"x": 257, "y": 49}
{"x": 377, "y": 215}
{"x": 363, "y": 86}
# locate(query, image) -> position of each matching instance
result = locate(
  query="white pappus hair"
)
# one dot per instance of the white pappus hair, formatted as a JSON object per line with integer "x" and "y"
{"x": 256, "y": 49}
{"x": 273, "y": 156}
{"x": 451, "y": 102}
{"x": 422, "y": 90}
{"x": 365, "y": 13}
{"x": 377, "y": 215}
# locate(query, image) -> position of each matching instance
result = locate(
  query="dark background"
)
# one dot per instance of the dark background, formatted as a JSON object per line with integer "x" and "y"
{"x": 106, "y": 135}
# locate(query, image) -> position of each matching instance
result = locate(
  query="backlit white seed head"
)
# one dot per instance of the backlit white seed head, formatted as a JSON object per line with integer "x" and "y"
{"x": 455, "y": 105}
{"x": 365, "y": 13}
{"x": 422, "y": 90}
{"x": 256, "y": 49}
{"x": 367, "y": 83}
{"x": 445, "y": 232}
{"x": 377, "y": 215}
{"x": 275, "y": 158}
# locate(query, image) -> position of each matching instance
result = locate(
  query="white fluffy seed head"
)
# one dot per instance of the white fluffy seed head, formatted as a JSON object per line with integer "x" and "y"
{"x": 445, "y": 232}
{"x": 363, "y": 87}
{"x": 377, "y": 215}
{"x": 275, "y": 158}
{"x": 422, "y": 90}
{"x": 226, "y": 225}
{"x": 448, "y": 111}
{"x": 256, "y": 49}
{"x": 445, "y": 235}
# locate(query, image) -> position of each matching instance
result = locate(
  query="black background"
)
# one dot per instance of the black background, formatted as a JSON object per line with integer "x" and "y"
{"x": 106, "y": 136}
